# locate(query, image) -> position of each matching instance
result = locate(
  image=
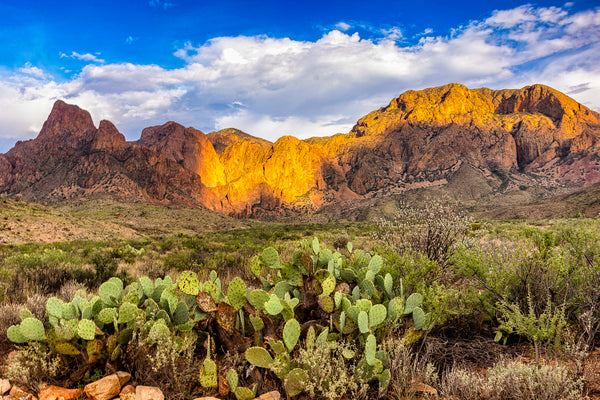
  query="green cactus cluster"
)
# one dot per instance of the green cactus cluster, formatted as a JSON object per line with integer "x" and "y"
{"x": 318, "y": 298}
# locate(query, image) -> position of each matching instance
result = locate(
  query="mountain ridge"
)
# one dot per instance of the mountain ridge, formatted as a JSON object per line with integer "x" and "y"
{"x": 506, "y": 139}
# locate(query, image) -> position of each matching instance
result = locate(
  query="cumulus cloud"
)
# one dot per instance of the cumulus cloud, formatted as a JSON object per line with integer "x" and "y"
{"x": 82, "y": 57}
{"x": 271, "y": 87}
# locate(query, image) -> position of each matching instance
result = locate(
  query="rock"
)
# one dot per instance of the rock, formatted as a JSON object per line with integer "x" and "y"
{"x": 58, "y": 393}
{"x": 274, "y": 395}
{"x": 108, "y": 387}
{"x": 18, "y": 393}
{"x": 148, "y": 393}
{"x": 128, "y": 389}
{"x": 127, "y": 396}
{"x": 425, "y": 390}
{"x": 4, "y": 386}
{"x": 207, "y": 398}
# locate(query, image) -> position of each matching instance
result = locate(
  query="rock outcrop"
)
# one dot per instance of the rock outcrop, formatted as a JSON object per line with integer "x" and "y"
{"x": 535, "y": 137}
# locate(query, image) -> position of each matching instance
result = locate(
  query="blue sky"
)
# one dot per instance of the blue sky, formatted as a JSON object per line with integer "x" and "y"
{"x": 273, "y": 68}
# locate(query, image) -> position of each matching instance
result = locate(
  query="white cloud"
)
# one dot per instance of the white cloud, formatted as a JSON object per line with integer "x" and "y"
{"x": 130, "y": 39}
{"x": 343, "y": 26}
{"x": 83, "y": 57}
{"x": 274, "y": 86}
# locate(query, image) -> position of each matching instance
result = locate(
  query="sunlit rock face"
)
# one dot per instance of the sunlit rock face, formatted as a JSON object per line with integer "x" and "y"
{"x": 534, "y": 136}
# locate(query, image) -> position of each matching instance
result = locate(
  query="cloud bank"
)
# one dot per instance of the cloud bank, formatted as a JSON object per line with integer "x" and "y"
{"x": 271, "y": 87}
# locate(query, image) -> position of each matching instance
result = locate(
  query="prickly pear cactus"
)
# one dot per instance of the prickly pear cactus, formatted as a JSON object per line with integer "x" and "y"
{"x": 188, "y": 283}
{"x": 208, "y": 374}
{"x": 273, "y": 306}
{"x": 377, "y": 315}
{"x": 66, "y": 349}
{"x": 236, "y": 293}
{"x": 419, "y": 318}
{"x": 295, "y": 382}
{"x": 414, "y": 300}
{"x": 86, "y": 329}
{"x": 259, "y": 357}
{"x": 32, "y": 329}
{"x": 370, "y": 349}
{"x": 291, "y": 334}
{"x": 14, "y": 334}
{"x": 110, "y": 293}
{"x": 232, "y": 379}
{"x": 256, "y": 267}
{"x": 363, "y": 322}
{"x": 270, "y": 258}
{"x": 54, "y": 307}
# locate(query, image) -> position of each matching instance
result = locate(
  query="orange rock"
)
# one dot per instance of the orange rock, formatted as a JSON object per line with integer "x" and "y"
{"x": 18, "y": 393}
{"x": 274, "y": 395}
{"x": 108, "y": 387}
{"x": 128, "y": 389}
{"x": 148, "y": 393}
{"x": 58, "y": 393}
{"x": 207, "y": 398}
{"x": 4, "y": 386}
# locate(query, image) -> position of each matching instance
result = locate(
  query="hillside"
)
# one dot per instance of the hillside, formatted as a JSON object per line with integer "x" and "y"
{"x": 476, "y": 145}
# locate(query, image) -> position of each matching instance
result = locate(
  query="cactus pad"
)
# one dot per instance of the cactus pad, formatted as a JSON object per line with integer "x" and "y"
{"x": 326, "y": 303}
{"x": 384, "y": 380}
{"x": 205, "y": 302}
{"x": 86, "y": 329}
{"x": 146, "y": 285}
{"x": 292, "y": 275}
{"x": 54, "y": 307}
{"x": 395, "y": 308}
{"x": 295, "y": 382}
{"x": 363, "y": 322}
{"x": 243, "y": 393}
{"x": 70, "y": 312}
{"x": 208, "y": 374}
{"x": 188, "y": 283}
{"x": 259, "y": 357}
{"x": 109, "y": 292}
{"x": 367, "y": 287}
{"x": 256, "y": 266}
{"x": 125, "y": 336}
{"x": 414, "y": 300}
{"x": 14, "y": 334}
{"x": 364, "y": 304}
{"x": 257, "y": 323}
{"x": 236, "y": 293}
{"x": 270, "y": 258}
{"x": 370, "y": 349}
{"x": 310, "y": 339}
{"x": 258, "y": 298}
{"x": 212, "y": 288}
{"x": 32, "y": 329}
{"x": 376, "y": 263}
{"x": 348, "y": 275}
{"x": 377, "y": 315}
{"x": 291, "y": 334}
{"x": 226, "y": 316}
{"x": 66, "y": 349}
{"x": 419, "y": 318}
{"x": 107, "y": 315}
{"x": 273, "y": 306}
{"x": 181, "y": 314}
{"x": 169, "y": 300}
{"x": 388, "y": 284}
{"x": 127, "y": 313}
{"x": 232, "y": 379}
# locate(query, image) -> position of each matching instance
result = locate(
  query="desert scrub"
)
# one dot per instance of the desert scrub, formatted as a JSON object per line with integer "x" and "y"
{"x": 34, "y": 365}
{"x": 407, "y": 368}
{"x": 513, "y": 381}
{"x": 166, "y": 361}
{"x": 330, "y": 376}
{"x": 431, "y": 229}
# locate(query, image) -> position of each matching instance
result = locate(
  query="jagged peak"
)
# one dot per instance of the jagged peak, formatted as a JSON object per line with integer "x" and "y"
{"x": 67, "y": 122}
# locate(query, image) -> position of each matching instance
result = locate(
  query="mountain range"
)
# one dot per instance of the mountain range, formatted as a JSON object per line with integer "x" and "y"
{"x": 477, "y": 143}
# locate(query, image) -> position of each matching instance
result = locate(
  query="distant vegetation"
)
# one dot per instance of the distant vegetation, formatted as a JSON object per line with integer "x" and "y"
{"x": 325, "y": 311}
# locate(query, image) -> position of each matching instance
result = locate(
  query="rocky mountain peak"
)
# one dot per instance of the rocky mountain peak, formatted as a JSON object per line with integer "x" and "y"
{"x": 67, "y": 123}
